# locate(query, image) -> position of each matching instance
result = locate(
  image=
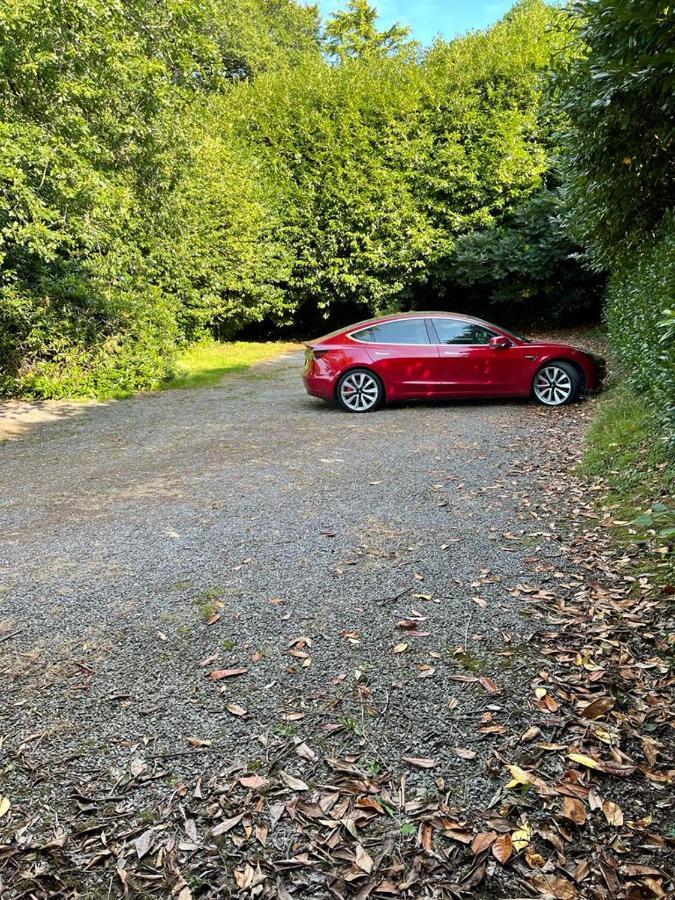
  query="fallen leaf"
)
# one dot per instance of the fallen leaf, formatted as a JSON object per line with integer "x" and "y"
{"x": 502, "y": 848}
{"x": 236, "y": 710}
{"x": 400, "y": 648}
{"x": 4, "y": 805}
{"x": 584, "y": 760}
{"x": 575, "y": 810}
{"x": 253, "y": 782}
{"x": 198, "y": 742}
{"x": 143, "y": 843}
{"x": 295, "y": 784}
{"x": 597, "y": 708}
{"x": 420, "y": 762}
{"x": 363, "y": 860}
{"x": 521, "y": 838}
{"x": 613, "y": 812}
{"x": 226, "y": 825}
{"x": 464, "y": 753}
{"x": 482, "y": 841}
{"x": 219, "y": 674}
{"x": 554, "y": 886}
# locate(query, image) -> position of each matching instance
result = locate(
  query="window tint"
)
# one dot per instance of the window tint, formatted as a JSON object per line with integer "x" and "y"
{"x": 456, "y": 331}
{"x": 402, "y": 331}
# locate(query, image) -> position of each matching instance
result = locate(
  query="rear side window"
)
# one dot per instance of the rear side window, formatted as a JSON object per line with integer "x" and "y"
{"x": 456, "y": 331}
{"x": 401, "y": 331}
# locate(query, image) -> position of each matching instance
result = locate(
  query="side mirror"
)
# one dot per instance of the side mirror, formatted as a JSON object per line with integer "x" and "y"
{"x": 499, "y": 342}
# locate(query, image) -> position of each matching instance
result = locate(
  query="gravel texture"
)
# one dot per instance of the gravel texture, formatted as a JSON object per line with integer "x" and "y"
{"x": 276, "y": 517}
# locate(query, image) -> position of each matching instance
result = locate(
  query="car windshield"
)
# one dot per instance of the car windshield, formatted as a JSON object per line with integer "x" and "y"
{"x": 518, "y": 337}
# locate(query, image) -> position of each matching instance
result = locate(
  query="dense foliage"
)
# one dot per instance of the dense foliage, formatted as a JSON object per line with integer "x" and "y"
{"x": 96, "y": 105}
{"x": 618, "y": 160}
{"x": 180, "y": 167}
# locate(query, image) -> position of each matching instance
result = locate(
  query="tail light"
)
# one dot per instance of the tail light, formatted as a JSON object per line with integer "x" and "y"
{"x": 311, "y": 354}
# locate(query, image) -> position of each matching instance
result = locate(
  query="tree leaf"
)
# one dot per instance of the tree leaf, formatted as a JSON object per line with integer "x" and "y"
{"x": 420, "y": 762}
{"x": 482, "y": 841}
{"x": 293, "y": 783}
{"x": 502, "y": 848}
{"x": 219, "y": 674}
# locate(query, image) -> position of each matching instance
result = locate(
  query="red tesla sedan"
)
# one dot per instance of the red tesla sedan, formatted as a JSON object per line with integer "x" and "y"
{"x": 427, "y": 355}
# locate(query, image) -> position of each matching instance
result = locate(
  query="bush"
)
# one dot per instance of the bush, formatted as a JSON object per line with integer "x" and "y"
{"x": 640, "y": 325}
{"x": 526, "y": 270}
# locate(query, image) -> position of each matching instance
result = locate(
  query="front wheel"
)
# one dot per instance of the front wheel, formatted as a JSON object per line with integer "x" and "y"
{"x": 360, "y": 391}
{"x": 556, "y": 384}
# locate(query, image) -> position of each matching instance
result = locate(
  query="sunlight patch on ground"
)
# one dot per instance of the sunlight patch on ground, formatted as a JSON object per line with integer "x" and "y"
{"x": 205, "y": 364}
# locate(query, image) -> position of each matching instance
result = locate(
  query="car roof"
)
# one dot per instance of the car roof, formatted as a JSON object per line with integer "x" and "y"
{"x": 393, "y": 317}
{"x": 415, "y": 314}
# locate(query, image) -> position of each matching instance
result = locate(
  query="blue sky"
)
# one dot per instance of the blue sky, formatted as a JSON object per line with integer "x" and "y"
{"x": 428, "y": 18}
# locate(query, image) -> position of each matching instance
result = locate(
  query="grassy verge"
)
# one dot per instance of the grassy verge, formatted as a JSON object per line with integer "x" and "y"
{"x": 206, "y": 363}
{"x": 637, "y": 471}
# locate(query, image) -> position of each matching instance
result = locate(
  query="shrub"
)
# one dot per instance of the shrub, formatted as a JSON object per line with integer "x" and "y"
{"x": 640, "y": 324}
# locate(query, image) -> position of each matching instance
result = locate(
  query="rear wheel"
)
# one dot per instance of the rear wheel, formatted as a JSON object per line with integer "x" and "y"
{"x": 556, "y": 384}
{"x": 360, "y": 391}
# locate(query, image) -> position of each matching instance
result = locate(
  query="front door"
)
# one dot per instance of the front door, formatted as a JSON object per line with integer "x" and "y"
{"x": 468, "y": 366}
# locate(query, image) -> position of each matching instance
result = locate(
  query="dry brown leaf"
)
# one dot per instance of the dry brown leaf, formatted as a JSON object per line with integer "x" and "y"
{"x": 236, "y": 710}
{"x": 464, "y": 753}
{"x": 198, "y": 742}
{"x": 253, "y": 782}
{"x": 420, "y": 762}
{"x": 482, "y": 841}
{"x": 295, "y": 784}
{"x": 363, "y": 860}
{"x": 597, "y": 708}
{"x": 219, "y": 674}
{"x": 143, "y": 843}
{"x": 502, "y": 848}
{"x": 554, "y": 886}
{"x": 226, "y": 825}
{"x": 613, "y": 812}
{"x": 574, "y": 809}
{"x": 489, "y": 684}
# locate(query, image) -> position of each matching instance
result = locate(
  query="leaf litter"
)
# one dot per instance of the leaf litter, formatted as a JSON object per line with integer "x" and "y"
{"x": 583, "y": 780}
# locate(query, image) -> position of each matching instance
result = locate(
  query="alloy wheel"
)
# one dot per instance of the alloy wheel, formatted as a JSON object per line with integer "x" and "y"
{"x": 553, "y": 386}
{"x": 359, "y": 391}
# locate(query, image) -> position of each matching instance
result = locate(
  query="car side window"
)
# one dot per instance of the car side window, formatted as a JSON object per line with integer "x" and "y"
{"x": 457, "y": 331}
{"x": 400, "y": 331}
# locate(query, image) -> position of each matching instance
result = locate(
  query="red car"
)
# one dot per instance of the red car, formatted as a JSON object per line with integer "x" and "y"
{"x": 426, "y": 355}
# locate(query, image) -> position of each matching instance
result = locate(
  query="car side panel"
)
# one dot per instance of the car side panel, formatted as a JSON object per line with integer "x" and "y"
{"x": 480, "y": 370}
{"x": 407, "y": 370}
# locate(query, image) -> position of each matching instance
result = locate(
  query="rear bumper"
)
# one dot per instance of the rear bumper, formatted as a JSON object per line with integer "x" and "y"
{"x": 318, "y": 386}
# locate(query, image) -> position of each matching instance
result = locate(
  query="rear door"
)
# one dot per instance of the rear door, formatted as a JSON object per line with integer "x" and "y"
{"x": 467, "y": 365}
{"x": 404, "y": 356}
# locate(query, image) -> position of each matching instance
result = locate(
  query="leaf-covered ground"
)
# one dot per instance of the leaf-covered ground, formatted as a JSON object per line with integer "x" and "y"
{"x": 251, "y": 647}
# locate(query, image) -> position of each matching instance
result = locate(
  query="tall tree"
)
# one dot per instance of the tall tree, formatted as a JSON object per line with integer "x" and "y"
{"x": 353, "y": 34}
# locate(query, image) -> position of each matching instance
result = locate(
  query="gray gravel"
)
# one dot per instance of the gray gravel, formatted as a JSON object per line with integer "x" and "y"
{"x": 124, "y": 528}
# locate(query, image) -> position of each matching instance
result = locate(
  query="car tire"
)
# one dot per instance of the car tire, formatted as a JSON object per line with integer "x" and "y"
{"x": 359, "y": 391}
{"x": 556, "y": 384}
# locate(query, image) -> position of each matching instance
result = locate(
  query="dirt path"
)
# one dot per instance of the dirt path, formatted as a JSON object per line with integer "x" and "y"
{"x": 202, "y": 586}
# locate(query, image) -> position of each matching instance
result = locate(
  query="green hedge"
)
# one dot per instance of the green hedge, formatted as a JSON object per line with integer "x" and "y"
{"x": 640, "y": 298}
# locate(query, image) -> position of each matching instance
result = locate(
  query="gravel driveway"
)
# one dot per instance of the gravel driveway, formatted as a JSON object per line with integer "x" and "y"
{"x": 357, "y": 567}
